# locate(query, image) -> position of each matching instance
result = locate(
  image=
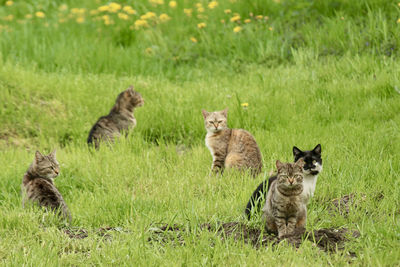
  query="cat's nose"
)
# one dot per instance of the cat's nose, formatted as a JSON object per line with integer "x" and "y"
{"x": 291, "y": 181}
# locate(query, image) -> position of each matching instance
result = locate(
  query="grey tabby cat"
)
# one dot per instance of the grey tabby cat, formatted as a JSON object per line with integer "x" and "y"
{"x": 284, "y": 209}
{"x": 230, "y": 148}
{"x": 120, "y": 119}
{"x": 38, "y": 187}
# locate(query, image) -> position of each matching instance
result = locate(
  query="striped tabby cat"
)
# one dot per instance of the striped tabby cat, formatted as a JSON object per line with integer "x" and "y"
{"x": 284, "y": 209}
{"x": 38, "y": 187}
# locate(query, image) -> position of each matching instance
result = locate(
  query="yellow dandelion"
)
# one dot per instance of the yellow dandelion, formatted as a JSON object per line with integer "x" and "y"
{"x": 194, "y": 40}
{"x": 200, "y": 9}
{"x": 199, "y": 5}
{"x": 188, "y": 11}
{"x": 164, "y": 17}
{"x": 141, "y": 23}
{"x": 28, "y": 16}
{"x": 270, "y": 28}
{"x": 212, "y": 4}
{"x": 63, "y": 7}
{"x": 9, "y": 3}
{"x": 123, "y": 16}
{"x": 201, "y": 25}
{"x": 103, "y": 8}
{"x": 259, "y": 17}
{"x": 247, "y": 20}
{"x": 114, "y": 7}
{"x": 342, "y": 18}
{"x": 156, "y": 2}
{"x": 80, "y": 19}
{"x": 227, "y": 11}
{"x": 129, "y": 10}
{"x": 9, "y": 18}
{"x": 94, "y": 12}
{"x": 398, "y": 4}
{"x": 79, "y": 11}
{"x": 237, "y": 29}
{"x": 245, "y": 105}
{"x": 172, "y": 4}
{"x": 148, "y": 15}
{"x": 235, "y": 18}
{"x": 398, "y": 21}
{"x": 40, "y": 14}
{"x": 148, "y": 50}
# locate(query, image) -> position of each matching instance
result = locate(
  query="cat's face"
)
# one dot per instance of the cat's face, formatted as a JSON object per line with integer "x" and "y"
{"x": 215, "y": 121}
{"x": 312, "y": 159}
{"x": 290, "y": 175}
{"x": 46, "y": 165}
{"x": 129, "y": 99}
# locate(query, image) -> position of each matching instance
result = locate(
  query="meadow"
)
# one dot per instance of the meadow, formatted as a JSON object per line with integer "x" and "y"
{"x": 290, "y": 72}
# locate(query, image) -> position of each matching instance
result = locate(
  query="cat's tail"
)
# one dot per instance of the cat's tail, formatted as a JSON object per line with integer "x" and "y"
{"x": 257, "y": 199}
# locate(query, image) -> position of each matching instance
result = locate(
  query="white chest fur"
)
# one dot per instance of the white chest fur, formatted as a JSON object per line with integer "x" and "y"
{"x": 309, "y": 184}
{"x": 208, "y": 144}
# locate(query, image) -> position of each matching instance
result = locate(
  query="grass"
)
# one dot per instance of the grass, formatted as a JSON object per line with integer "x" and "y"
{"x": 327, "y": 88}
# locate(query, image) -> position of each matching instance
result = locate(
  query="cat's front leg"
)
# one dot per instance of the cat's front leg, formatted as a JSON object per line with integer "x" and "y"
{"x": 218, "y": 163}
{"x": 281, "y": 225}
{"x": 291, "y": 224}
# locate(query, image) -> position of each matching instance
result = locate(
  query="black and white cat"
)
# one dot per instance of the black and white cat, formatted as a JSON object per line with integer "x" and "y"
{"x": 311, "y": 169}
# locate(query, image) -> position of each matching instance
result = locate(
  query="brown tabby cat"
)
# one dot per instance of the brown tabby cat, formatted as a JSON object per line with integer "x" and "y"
{"x": 38, "y": 187}
{"x": 284, "y": 209}
{"x": 229, "y": 148}
{"x": 120, "y": 119}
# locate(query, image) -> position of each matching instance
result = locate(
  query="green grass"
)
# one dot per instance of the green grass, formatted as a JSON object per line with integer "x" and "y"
{"x": 304, "y": 86}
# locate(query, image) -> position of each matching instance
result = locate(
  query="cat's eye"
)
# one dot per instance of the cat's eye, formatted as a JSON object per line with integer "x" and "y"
{"x": 210, "y": 122}
{"x": 219, "y": 121}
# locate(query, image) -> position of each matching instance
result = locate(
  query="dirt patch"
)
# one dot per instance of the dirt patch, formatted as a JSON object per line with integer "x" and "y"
{"x": 327, "y": 239}
{"x": 105, "y": 232}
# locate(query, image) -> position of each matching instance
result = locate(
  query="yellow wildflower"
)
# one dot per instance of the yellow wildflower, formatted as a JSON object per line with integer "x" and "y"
{"x": 156, "y": 2}
{"x": 9, "y": 18}
{"x": 148, "y": 50}
{"x": 172, "y": 4}
{"x": 28, "y": 16}
{"x": 245, "y": 105}
{"x": 40, "y": 14}
{"x": 235, "y": 18}
{"x": 123, "y": 16}
{"x": 148, "y": 15}
{"x": 398, "y": 21}
{"x": 103, "y": 8}
{"x": 114, "y": 7}
{"x": 200, "y": 9}
{"x": 247, "y": 20}
{"x": 80, "y": 19}
{"x": 227, "y": 11}
{"x": 194, "y": 40}
{"x": 222, "y": 21}
{"x": 141, "y": 23}
{"x": 164, "y": 17}
{"x": 398, "y": 4}
{"x": 199, "y": 5}
{"x": 342, "y": 18}
{"x": 201, "y": 25}
{"x": 212, "y": 4}
{"x": 237, "y": 29}
{"x": 129, "y": 10}
{"x": 63, "y": 7}
{"x": 259, "y": 17}
{"x": 270, "y": 28}
{"x": 9, "y": 3}
{"x": 188, "y": 11}
{"x": 80, "y": 11}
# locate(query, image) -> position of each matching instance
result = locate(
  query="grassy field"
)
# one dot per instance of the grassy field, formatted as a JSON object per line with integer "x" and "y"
{"x": 310, "y": 71}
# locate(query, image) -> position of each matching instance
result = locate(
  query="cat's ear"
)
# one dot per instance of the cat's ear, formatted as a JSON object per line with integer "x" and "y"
{"x": 225, "y": 112}
{"x": 205, "y": 113}
{"x": 53, "y": 154}
{"x": 279, "y": 164}
{"x": 38, "y": 156}
{"x": 296, "y": 152}
{"x": 317, "y": 149}
{"x": 300, "y": 162}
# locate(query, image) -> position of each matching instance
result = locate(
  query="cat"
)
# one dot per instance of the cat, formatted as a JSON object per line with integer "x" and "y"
{"x": 312, "y": 167}
{"x": 38, "y": 187}
{"x": 229, "y": 148}
{"x": 120, "y": 119}
{"x": 284, "y": 209}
